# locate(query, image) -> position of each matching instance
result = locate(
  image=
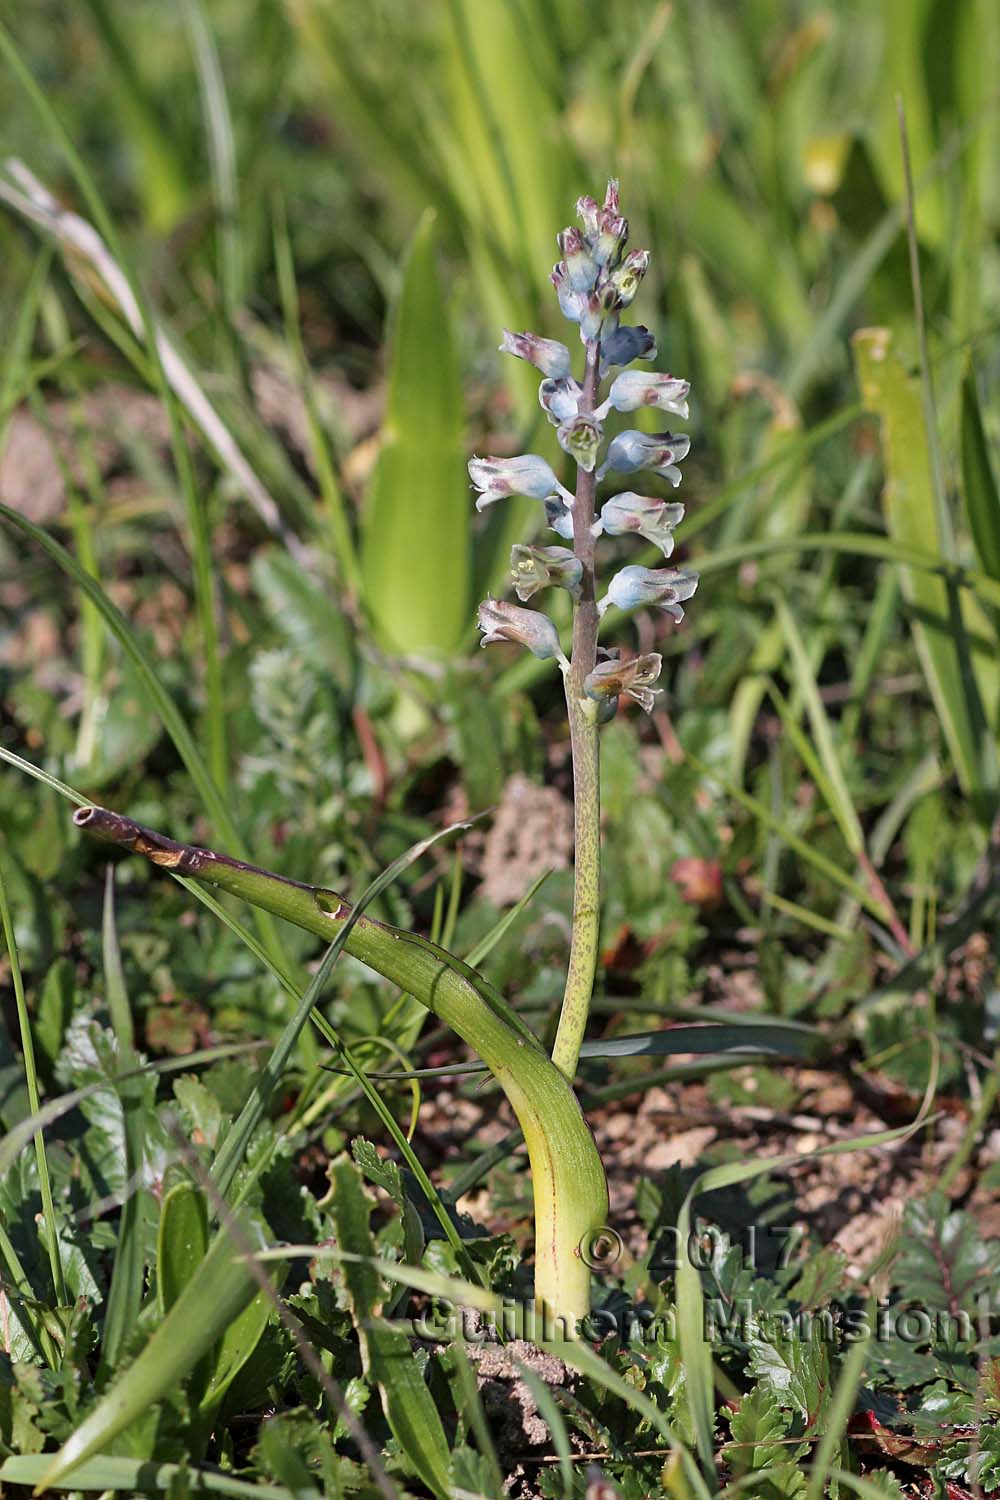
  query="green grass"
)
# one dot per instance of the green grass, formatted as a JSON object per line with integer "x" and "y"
{"x": 231, "y": 618}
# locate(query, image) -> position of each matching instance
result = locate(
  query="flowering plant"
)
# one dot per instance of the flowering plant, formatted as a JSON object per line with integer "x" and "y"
{"x": 595, "y": 281}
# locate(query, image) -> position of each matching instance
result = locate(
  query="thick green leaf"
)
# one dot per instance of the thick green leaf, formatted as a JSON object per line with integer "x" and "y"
{"x": 416, "y": 549}
{"x": 955, "y": 639}
{"x": 979, "y": 486}
{"x": 182, "y": 1242}
{"x": 387, "y": 1354}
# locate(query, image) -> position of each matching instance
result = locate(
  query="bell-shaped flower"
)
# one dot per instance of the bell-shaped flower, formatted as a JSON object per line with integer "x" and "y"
{"x": 621, "y": 346}
{"x": 547, "y": 355}
{"x": 634, "y": 678}
{"x": 626, "y": 278}
{"x": 593, "y": 314}
{"x": 634, "y": 388}
{"x": 642, "y": 515}
{"x": 560, "y": 399}
{"x": 496, "y": 478}
{"x": 534, "y": 568}
{"x": 581, "y": 268}
{"x": 501, "y": 621}
{"x": 659, "y": 588}
{"x": 559, "y": 517}
{"x": 659, "y": 451}
{"x": 581, "y": 438}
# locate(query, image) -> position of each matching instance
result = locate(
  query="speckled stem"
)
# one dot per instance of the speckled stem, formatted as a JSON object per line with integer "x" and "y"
{"x": 586, "y": 766}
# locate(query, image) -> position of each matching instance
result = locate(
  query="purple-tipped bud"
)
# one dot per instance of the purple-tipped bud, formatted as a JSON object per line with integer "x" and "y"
{"x": 641, "y": 515}
{"x": 659, "y": 451}
{"x": 612, "y": 233}
{"x": 621, "y": 346}
{"x": 659, "y": 588}
{"x": 547, "y": 355}
{"x": 587, "y": 210}
{"x": 634, "y": 678}
{"x": 496, "y": 478}
{"x": 581, "y": 438}
{"x": 634, "y": 388}
{"x": 500, "y": 621}
{"x": 534, "y": 568}
{"x": 611, "y": 202}
{"x": 559, "y": 517}
{"x": 581, "y": 268}
{"x": 559, "y": 399}
{"x": 629, "y": 274}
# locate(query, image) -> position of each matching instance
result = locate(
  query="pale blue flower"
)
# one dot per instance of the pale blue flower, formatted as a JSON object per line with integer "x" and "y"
{"x": 659, "y": 588}
{"x": 559, "y": 516}
{"x": 501, "y": 621}
{"x": 634, "y": 388}
{"x": 496, "y": 478}
{"x": 559, "y": 399}
{"x": 642, "y": 515}
{"x": 547, "y": 355}
{"x": 659, "y": 451}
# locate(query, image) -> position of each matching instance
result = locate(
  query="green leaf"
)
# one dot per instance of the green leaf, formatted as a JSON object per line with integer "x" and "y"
{"x": 954, "y": 638}
{"x": 416, "y": 550}
{"x": 182, "y": 1242}
{"x": 758, "y": 1427}
{"x": 979, "y": 488}
{"x": 944, "y": 1264}
{"x": 387, "y": 1354}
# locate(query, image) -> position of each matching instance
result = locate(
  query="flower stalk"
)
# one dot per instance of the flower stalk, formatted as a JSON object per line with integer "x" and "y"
{"x": 594, "y": 282}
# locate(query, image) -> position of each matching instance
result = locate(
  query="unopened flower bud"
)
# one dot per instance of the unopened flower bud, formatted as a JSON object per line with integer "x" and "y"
{"x": 547, "y": 355}
{"x": 559, "y": 517}
{"x": 629, "y": 274}
{"x": 581, "y": 268}
{"x": 496, "y": 478}
{"x": 572, "y": 304}
{"x": 609, "y": 242}
{"x": 659, "y": 451}
{"x": 621, "y": 346}
{"x": 581, "y": 438}
{"x": 660, "y": 588}
{"x": 634, "y": 388}
{"x": 634, "y": 678}
{"x": 501, "y": 621}
{"x": 559, "y": 399}
{"x": 587, "y": 210}
{"x": 642, "y": 515}
{"x": 534, "y": 568}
